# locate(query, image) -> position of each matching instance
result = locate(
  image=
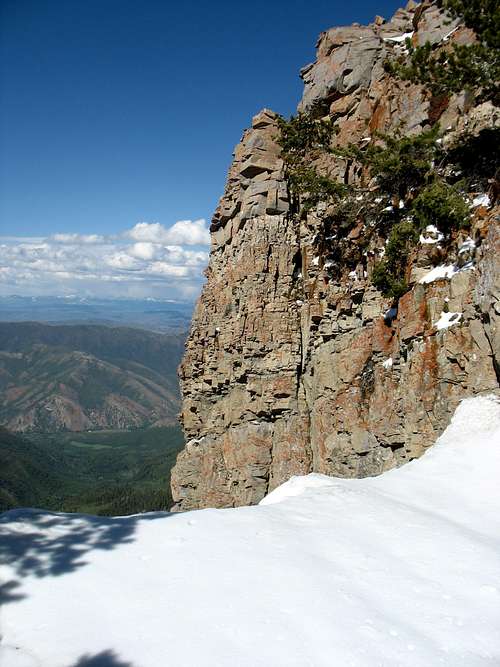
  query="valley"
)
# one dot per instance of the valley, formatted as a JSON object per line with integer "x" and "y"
{"x": 88, "y": 417}
{"x": 106, "y": 473}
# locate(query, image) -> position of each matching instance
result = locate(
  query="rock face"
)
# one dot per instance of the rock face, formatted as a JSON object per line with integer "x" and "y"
{"x": 288, "y": 370}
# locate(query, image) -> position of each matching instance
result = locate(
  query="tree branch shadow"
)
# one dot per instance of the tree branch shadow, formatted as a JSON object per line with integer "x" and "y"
{"x": 42, "y": 544}
{"x": 104, "y": 659}
{"x": 8, "y": 591}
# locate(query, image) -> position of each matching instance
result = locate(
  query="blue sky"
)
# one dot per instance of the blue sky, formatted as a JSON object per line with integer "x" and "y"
{"x": 116, "y": 112}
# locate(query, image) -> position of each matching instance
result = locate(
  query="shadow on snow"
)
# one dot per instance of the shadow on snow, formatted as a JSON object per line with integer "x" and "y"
{"x": 44, "y": 544}
{"x": 104, "y": 659}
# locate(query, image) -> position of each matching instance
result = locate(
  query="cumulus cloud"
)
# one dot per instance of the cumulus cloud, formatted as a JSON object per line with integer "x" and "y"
{"x": 143, "y": 250}
{"x": 122, "y": 261}
{"x": 147, "y": 260}
{"x": 166, "y": 269}
{"x": 183, "y": 232}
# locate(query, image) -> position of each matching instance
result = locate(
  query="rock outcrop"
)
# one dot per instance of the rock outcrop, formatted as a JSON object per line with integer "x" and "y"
{"x": 290, "y": 369}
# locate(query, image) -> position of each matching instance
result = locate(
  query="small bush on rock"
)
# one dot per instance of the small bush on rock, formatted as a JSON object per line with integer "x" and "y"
{"x": 441, "y": 205}
{"x": 404, "y": 162}
{"x": 302, "y": 139}
{"x": 302, "y": 134}
{"x": 389, "y": 274}
{"x": 313, "y": 188}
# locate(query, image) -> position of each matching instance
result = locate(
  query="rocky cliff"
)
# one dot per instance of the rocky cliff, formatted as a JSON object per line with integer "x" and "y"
{"x": 295, "y": 362}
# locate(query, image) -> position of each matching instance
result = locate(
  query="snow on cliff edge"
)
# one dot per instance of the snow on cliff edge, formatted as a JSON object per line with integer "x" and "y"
{"x": 401, "y": 569}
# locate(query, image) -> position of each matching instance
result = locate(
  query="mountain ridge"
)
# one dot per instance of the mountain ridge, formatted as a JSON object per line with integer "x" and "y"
{"x": 80, "y": 377}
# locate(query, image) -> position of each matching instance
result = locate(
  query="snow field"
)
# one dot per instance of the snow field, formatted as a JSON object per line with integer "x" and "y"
{"x": 398, "y": 570}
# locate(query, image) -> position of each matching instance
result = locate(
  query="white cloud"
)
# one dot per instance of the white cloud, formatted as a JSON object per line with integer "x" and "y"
{"x": 187, "y": 232}
{"x": 123, "y": 261}
{"x": 150, "y": 232}
{"x": 165, "y": 269}
{"x": 78, "y": 238}
{"x": 143, "y": 250}
{"x": 183, "y": 232}
{"x": 147, "y": 260}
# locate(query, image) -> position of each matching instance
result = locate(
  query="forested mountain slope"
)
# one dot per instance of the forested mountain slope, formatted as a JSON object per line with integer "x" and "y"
{"x": 81, "y": 377}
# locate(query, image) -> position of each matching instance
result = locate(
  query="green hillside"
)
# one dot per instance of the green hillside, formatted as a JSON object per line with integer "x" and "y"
{"x": 107, "y": 472}
{"x": 29, "y": 475}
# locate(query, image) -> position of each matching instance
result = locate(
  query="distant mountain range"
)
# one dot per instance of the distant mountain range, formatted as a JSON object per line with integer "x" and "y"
{"x": 155, "y": 315}
{"x": 86, "y": 377}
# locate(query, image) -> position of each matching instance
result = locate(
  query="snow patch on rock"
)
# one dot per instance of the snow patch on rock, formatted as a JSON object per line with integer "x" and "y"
{"x": 447, "y": 320}
{"x": 439, "y": 273}
{"x": 387, "y": 364}
{"x": 431, "y": 235}
{"x": 481, "y": 200}
{"x": 399, "y": 38}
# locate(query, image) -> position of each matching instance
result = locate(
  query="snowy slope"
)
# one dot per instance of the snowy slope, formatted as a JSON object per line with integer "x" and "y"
{"x": 402, "y": 569}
